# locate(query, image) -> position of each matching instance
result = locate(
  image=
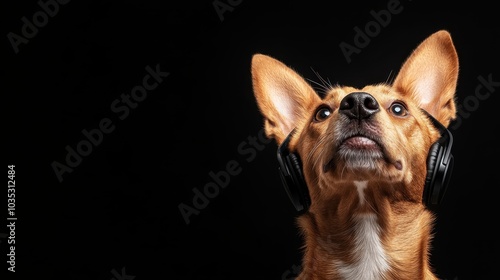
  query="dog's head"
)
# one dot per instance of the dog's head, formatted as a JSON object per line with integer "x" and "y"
{"x": 380, "y": 134}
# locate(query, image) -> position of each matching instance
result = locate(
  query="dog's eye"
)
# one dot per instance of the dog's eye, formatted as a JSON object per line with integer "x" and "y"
{"x": 322, "y": 114}
{"x": 398, "y": 109}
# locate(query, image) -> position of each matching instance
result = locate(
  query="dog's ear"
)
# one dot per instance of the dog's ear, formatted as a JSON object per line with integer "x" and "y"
{"x": 284, "y": 98}
{"x": 430, "y": 76}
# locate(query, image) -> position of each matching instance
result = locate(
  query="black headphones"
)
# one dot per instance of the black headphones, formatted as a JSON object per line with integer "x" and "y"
{"x": 439, "y": 169}
{"x": 439, "y": 165}
{"x": 290, "y": 169}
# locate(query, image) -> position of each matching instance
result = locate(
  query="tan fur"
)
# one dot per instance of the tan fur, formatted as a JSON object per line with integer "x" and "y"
{"x": 393, "y": 194}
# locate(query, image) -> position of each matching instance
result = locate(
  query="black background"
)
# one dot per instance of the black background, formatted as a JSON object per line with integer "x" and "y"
{"x": 117, "y": 212}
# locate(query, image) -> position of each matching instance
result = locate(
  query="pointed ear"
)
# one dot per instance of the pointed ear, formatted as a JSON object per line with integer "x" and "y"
{"x": 430, "y": 76}
{"x": 284, "y": 98}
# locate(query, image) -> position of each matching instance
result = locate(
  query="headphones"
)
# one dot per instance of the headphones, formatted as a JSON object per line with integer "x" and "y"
{"x": 439, "y": 168}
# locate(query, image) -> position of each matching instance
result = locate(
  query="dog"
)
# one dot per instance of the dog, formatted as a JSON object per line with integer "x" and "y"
{"x": 364, "y": 166}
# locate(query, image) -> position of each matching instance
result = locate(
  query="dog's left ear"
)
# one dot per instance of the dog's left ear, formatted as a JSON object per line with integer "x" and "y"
{"x": 430, "y": 75}
{"x": 283, "y": 96}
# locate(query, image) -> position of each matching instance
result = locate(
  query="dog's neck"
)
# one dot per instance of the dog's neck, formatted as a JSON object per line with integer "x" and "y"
{"x": 362, "y": 234}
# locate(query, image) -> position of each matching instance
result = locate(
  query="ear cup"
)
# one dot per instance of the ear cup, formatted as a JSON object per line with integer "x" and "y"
{"x": 295, "y": 166}
{"x": 431, "y": 171}
{"x": 440, "y": 163}
{"x": 290, "y": 170}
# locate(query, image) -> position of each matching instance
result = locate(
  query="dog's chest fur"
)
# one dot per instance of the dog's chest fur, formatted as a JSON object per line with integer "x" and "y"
{"x": 377, "y": 241}
{"x": 370, "y": 259}
{"x": 356, "y": 251}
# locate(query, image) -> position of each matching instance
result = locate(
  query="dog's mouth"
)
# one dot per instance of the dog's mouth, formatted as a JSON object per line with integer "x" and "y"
{"x": 361, "y": 143}
{"x": 360, "y": 151}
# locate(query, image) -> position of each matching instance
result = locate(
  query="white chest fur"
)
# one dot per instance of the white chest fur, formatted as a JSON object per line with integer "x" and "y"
{"x": 370, "y": 258}
{"x": 360, "y": 187}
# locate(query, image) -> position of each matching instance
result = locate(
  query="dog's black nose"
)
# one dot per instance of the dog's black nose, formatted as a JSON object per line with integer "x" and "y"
{"x": 358, "y": 105}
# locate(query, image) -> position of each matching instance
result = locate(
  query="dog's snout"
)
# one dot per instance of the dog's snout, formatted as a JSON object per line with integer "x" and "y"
{"x": 358, "y": 105}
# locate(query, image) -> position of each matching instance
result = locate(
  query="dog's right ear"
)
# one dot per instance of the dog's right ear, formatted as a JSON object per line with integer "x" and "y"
{"x": 429, "y": 75}
{"x": 284, "y": 98}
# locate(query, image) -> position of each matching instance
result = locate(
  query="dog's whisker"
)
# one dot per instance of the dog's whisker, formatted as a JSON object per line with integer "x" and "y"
{"x": 317, "y": 157}
{"x": 325, "y": 85}
{"x": 329, "y": 83}
{"x": 320, "y": 142}
{"x": 322, "y": 88}
{"x": 390, "y": 78}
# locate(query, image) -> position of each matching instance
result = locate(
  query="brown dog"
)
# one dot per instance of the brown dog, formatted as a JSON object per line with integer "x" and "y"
{"x": 363, "y": 155}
